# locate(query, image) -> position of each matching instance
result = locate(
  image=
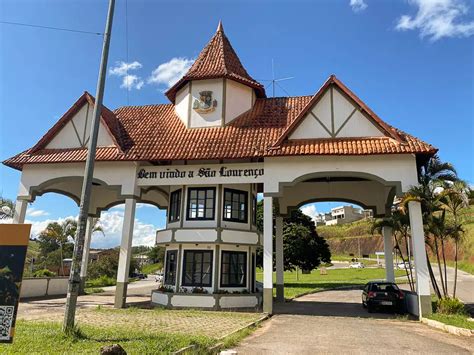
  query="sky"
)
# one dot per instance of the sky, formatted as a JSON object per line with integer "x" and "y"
{"x": 411, "y": 61}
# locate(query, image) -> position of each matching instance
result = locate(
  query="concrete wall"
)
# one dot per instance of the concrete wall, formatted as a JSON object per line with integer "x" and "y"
{"x": 44, "y": 286}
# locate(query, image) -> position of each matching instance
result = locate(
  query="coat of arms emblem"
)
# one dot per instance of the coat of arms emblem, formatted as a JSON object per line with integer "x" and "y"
{"x": 205, "y": 103}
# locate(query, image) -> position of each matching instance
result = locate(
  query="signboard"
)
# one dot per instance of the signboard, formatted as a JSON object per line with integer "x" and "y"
{"x": 201, "y": 174}
{"x": 13, "y": 245}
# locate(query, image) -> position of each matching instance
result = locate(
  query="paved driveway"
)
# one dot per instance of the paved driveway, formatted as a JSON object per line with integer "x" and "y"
{"x": 333, "y": 322}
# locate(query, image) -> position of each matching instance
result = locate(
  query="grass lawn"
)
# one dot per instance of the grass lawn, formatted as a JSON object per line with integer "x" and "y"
{"x": 457, "y": 320}
{"x": 47, "y": 338}
{"x": 151, "y": 268}
{"x": 334, "y": 278}
{"x": 138, "y": 331}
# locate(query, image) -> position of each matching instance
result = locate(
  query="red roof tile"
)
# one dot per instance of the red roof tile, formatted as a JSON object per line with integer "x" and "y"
{"x": 155, "y": 133}
{"x": 217, "y": 60}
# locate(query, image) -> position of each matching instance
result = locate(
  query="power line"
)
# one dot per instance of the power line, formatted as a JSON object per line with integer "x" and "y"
{"x": 50, "y": 28}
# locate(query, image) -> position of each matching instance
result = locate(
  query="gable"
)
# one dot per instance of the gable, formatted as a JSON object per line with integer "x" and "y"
{"x": 75, "y": 133}
{"x": 335, "y": 115}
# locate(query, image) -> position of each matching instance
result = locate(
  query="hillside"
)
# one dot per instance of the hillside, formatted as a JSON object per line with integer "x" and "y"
{"x": 345, "y": 239}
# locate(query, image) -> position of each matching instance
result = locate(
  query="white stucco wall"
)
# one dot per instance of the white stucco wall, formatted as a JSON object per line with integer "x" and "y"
{"x": 164, "y": 236}
{"x": 182, "y": 104}
{"x": 389, "y": 167}
{"x": 68, "y": 138}
{"x": 122, "y": 174}
{"x": 238, "y": 99}
{"x": 202, "y": 301}
{"x": 195, "y": 235}
{"x": 239, "y": 237}
{"x": 357, "y": 124}
{"x": 208, "y": 119}
{"x": 238, "y": 301}
{"x": 159, "y": 298}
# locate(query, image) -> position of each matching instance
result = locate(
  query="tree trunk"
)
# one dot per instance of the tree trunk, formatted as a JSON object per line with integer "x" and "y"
{"x": 444, "y": 267}
{"x": 397, "y": 246}
{"x": 455, "y": 267}
{"x": 439, "y": 266}
{"x": 433, "y": 278}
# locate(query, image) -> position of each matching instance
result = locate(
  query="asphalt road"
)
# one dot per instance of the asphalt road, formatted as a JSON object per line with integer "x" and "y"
{"x": 334, "y": 322}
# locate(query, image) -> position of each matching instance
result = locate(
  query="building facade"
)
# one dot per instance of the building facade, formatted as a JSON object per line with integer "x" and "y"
{"x": 206, "y": 155}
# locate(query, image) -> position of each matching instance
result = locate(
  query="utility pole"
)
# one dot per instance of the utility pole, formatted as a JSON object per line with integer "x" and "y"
{"x": 74, "y": 277}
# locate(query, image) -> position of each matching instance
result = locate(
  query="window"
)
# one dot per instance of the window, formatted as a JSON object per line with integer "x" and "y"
{"x": 201, "y": 203}
{"x": 175, "y": 206}
{"x": 233, "y": 269}
{"x": 235, "y": 205}
{"x": 170, "y": 270}
{"x": 197, "y": 268}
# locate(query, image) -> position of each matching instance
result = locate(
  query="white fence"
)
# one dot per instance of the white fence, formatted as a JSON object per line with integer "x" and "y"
{"x": 43, "y": 286}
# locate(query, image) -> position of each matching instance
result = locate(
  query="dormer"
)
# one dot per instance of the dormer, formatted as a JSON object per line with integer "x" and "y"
{"x": 216, "y": 89}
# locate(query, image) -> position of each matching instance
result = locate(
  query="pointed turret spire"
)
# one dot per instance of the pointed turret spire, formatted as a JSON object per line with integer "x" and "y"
{"x": 219, "y": 27}
{"x": 217, "y": 60}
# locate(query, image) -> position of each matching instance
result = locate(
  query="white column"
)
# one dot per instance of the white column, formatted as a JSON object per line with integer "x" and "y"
{"x": 388, "y": 251}
{"x": 20, "y": 211}
{"x": 419, "y": 253}
{"x": 125, "y": 253}
{"x": 85, "y": 253}
{"x": 280, "y": 290}
{"x": 268, "y": 254}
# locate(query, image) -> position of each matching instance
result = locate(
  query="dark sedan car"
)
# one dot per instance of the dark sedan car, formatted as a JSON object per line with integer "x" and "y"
{"x": 382, "y": 295}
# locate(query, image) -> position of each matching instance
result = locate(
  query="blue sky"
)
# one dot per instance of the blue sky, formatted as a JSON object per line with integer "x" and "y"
{"x": 410, "y": 61}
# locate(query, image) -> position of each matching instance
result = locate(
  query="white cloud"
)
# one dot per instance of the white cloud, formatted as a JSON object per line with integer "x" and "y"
{"x": 121, "y": 68}
{"x": 112, "y": 221}
{"x": 358, "y": 5}
{"x": 436, "y": 19}
{"x": 32, "y": 212}
{"x": 310, "y": 211}
{"x": 130, "y": 82}
{"x": 170, "y": 72}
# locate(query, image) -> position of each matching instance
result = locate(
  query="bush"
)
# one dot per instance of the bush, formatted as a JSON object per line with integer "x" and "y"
{"x": 44, "y": 273}
{"x": 450, "y": 306}
{"x": 101, "y": 281}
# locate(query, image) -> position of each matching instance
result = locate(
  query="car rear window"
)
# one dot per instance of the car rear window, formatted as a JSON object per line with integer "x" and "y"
{"x": 384, "y": 287}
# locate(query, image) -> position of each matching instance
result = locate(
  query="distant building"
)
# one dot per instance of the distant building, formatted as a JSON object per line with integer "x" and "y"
{"x": 342, "y": 215}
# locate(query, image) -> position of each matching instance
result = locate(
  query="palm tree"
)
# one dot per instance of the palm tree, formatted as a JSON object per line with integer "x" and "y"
{"x": 434, "y": 176}
{"x": 7, "y": 208}
{"x": 454, "y": 200}
{"x": 400, "y": 224}
{"x": 62, "y": 232}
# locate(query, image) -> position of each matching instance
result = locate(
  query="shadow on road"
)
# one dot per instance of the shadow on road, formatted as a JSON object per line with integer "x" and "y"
{"x": 335, "y": 309}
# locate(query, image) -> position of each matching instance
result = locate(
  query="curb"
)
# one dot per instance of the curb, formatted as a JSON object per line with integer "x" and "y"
{"x": 448, "y": 328}
{"x": 354, "y": 287}
{"x": 185, "y": 349}
{"x": 215, "y": 348}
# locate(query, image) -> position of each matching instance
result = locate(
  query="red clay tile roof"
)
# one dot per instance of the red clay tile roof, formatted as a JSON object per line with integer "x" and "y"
{"x": 217, "y": 60}
{"x": 156, "y": 133}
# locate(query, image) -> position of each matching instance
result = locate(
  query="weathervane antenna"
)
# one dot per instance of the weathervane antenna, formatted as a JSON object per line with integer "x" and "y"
{"x": 273, "y": 81}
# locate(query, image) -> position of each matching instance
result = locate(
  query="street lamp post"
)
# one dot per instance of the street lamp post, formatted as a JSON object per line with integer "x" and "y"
{"x": 74, "y": 277}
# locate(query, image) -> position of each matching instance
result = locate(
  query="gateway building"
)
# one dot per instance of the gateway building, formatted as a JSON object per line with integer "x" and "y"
{"x": 206, "y": 155}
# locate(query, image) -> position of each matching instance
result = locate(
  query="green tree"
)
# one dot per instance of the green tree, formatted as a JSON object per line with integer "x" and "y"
{"x": 455, "y": 199}
{"x": 7, "y": 208}
{"x": 58, "y": 236}
{"x": 157, "y": 254}
{"x": 302, "y": 246}
{"x": 434, "y": 176}
{"x": 400, "y": 224}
